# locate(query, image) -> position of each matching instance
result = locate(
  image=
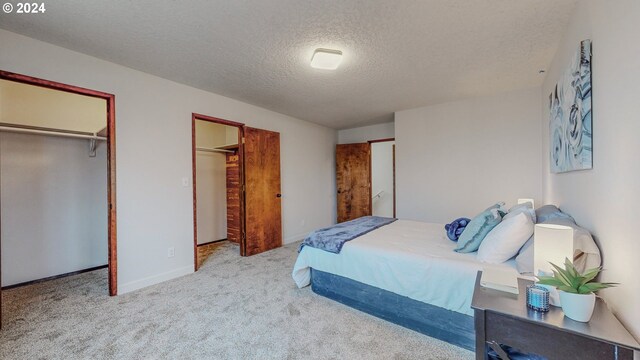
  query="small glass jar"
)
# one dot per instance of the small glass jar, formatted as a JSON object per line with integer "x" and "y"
{"x": 537, "y": 298}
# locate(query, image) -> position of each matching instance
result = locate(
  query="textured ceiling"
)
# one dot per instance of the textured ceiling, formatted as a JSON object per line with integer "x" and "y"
{"x": 397, "y": 54}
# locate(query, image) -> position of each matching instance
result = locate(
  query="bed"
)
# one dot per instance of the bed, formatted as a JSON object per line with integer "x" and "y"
{"x": 405, "y": 272}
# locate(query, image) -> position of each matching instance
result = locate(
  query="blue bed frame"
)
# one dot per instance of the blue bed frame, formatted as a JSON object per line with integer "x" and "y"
{"x": 446, "y": 325}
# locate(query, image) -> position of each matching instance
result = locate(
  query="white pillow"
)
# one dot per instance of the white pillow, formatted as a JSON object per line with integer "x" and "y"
{"x": 503, "y": 241}
{"x": 524, "y": 260}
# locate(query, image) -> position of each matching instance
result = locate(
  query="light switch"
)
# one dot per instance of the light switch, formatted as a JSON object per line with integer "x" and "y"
{"x": 185, "y": 181}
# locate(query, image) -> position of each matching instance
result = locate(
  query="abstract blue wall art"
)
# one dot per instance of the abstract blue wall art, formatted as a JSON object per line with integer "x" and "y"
{"x": 570, "y": 131}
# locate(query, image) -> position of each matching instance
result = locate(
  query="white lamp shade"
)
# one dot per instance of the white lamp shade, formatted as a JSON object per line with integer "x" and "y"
{"x": 523, "y": 201}
{"x": 552, "y": 243}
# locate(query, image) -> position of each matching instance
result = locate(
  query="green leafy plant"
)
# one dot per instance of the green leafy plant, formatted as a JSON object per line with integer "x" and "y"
{"x": 571, "y": 281}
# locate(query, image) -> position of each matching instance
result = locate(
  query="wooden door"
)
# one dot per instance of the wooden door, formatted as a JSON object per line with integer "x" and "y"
{"x": 263, "y": 219}
{"x": 353, "y": 180}
{"x": 234, "y": 232}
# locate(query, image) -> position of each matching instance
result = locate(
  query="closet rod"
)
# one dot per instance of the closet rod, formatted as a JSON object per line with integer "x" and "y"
{"x": 214, "y": 150}
{"x": 52, "y": 132}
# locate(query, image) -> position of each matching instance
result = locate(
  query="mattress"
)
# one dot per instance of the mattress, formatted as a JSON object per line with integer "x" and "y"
{"x": 409, "y": 258}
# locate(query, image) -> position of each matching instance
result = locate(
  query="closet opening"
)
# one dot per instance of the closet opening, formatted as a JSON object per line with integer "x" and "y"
{"x": 218, "y": 216}
{"x": 57, "y": 181}
{"x": 236, "y": 187}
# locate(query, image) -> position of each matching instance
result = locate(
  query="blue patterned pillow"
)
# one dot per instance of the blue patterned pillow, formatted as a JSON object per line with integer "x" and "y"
{"x": 548, "y": 212}
{"x": 477, "y": 229}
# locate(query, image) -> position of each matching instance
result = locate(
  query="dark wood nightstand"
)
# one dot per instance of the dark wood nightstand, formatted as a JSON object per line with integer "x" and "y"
{"x": 503, "y": 318}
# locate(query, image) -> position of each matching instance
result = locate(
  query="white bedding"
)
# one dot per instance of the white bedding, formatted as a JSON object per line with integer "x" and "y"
{"x": 409, "y": 258}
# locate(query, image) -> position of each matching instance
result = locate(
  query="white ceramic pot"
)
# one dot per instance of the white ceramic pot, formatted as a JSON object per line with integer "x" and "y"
{"x": 554, "y": 294}
{"x": 578, "y": 307}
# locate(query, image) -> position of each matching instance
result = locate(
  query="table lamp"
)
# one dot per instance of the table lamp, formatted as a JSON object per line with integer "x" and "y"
{"x": 552, "y": 243}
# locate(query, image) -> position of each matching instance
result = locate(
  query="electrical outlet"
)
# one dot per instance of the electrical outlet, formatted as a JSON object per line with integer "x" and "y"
{"x": 171, "y": 252}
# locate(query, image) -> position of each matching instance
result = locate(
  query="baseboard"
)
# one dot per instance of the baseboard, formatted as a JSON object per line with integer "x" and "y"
{"x": 155, "y": 279}
{"x": 212, "y": 242}
{"x": 295, "y": 238}
{"x": 54, "y": 277}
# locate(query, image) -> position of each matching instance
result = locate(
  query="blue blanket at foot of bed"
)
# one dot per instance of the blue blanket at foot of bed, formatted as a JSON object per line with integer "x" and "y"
{"x": 332, "y": 238}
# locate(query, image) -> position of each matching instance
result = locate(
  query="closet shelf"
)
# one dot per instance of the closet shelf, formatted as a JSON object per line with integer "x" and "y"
{"x": 215, "y": 150}
{"x": 49, "y": 131}
{"x": 228, "y": 147}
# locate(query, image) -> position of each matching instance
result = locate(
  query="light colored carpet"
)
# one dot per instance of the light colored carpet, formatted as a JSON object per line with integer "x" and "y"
{"x": 233, "y": 308}
{"x": 205, "y": 250}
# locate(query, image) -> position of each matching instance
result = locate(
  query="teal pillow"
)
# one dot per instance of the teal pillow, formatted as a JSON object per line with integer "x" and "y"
{"x": 497, "y": 205}
{"x": 477, "y": 229}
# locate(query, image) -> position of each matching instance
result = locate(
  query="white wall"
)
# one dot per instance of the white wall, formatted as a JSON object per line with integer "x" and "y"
{"x": 604, "y": 199}
{"x": 53, "y": 206}
{"x": 366, "y": 133}
{"x": 210, "y": 135}
{"x": 458, "y": 158}
{"x": 211, "y": 180}
{"x": 231, "y": 135}
{"x": 153, "y": 127}
{"x": 211, "y": 191}
{"x": 382, "y": 178}
{"x": 24, "y": 104}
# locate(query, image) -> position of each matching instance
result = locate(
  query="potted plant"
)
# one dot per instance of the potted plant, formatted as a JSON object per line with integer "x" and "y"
{"x": 577, "y": 291}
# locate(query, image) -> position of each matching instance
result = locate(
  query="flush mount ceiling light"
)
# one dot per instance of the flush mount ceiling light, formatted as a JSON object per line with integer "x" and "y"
{"x": 326, "y": 59}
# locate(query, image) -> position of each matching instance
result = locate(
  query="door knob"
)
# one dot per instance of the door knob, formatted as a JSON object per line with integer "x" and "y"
{"x": 278, "y": 195}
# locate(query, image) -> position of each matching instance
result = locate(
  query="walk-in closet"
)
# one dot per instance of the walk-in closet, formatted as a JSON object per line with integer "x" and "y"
{"x": 54, "y": 212}
{"x": 217, "y": 179}
{"x": 236, "y": 188}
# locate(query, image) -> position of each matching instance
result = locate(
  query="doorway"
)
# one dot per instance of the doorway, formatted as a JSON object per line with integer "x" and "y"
{"x": 383, "y": 178}
{"x": 100, "y": 142}
{"x": 217, "y": 174}
{"x": 250, "y": 199}
{"x": 365, "y": 179}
